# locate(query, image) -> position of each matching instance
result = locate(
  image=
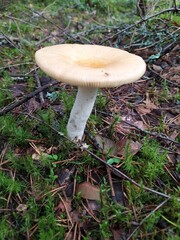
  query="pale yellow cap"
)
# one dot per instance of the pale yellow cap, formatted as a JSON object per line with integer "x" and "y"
{"x": 90, "y": 65}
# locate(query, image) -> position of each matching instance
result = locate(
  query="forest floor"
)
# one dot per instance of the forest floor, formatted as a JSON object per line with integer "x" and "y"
{"x": 125, "y": 184}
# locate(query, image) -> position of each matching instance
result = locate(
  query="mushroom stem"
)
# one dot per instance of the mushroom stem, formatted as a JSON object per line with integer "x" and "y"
{"x": 80, "y": 112}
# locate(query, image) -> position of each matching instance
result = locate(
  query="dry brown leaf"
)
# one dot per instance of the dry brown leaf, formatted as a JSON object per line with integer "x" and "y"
{"x": 64, "y": 206}
{"x": 157, "y": 68}
{"x": 140, "y": 125}
{"x": 117, "y": 234}
{"x": 32, "y": 105}
{"x": 106, "y": 144}
{"x": 134, "y": 148}
{"x": 147, "y": 106}
{"x": 172, "y": 74}
{"x": 174, "y": 135}
{"x": 142, "y": 109}
{"x": 93, "y": 205}
{"x": 121, "y": 146}
{"x": 75, "y": 216}
{"x": 88, "y": 191}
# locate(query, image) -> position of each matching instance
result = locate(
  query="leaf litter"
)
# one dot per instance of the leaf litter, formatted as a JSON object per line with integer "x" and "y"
{"x": 141, "y": 107}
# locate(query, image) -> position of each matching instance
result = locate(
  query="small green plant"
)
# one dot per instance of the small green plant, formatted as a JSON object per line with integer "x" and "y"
{"x": 7, "y": 231}
{"x": 48, "y": 219}
{"x": 111, "y": 213}
{"x": 164, "y": 95}
{"x": 67, "y": 101}
{"x": 32, "y": 182}
{"x": 153, "y": 160}
{"x": 9, "y": 184}
{"x": 149, "y": 162}
{"x": 130, "y": 163}
{"x": 15, "y": 130}
{"x": 116, "y": 119}
{"x": 101, "y": 101}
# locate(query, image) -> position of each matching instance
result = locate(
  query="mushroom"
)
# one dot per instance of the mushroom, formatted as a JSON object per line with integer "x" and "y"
{"x": 89, "y": 67}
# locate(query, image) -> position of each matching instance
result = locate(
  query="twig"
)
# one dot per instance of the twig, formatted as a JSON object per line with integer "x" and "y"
{"x": 141, "y": 223}
{"x": 110, "y": 181}
{"x": 41, "y": 97}
{"x": 175, "y": 5}
{"x": 11, "y": 42}
{"x": 16, "y": 65}
{"x": 174, "y": 9}
{"x": 154, "y": 134}
{"x": 20, "y": 20}
{"x": 159, "y": 76}
{"x": 162, "y": 136}
{"x": 114, "y": 170}
{"x": 57, "y": 26}
{"x": 13, "y": 105}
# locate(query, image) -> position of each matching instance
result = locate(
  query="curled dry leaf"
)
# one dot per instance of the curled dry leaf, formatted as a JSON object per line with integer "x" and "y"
{"x": 88, "y": 191}
{"x": 146, "y": 107}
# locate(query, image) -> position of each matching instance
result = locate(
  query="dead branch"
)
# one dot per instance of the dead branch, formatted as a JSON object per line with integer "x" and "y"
{"x": 154, "y": 134}
{"x": 41, "y": 97}
{"x": 174, "y": 9}
{"x": 160, "y": 77}
{"x": 150, "y": 214}
{"x": 17, "y": 103}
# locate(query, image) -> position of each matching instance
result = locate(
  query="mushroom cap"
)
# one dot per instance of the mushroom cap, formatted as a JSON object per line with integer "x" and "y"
{"x": 90, "y": 65}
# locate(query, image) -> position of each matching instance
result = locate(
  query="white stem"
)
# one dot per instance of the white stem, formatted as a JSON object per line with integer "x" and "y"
{"x": 80, "y": 112}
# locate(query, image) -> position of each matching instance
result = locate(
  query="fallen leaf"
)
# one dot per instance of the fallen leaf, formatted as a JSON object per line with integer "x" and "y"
{"x": 17, "y": 90}
{"x": 149, "y": 104}
{"x": 106, "y": 144}
{"x": 32, "y": 105}
{"x": 94, "y": 205}
{"x": 157, "y": 68}
{"x": 174, "y": 135}
{"x": 146, "y": 107}
{"x": 134, "y": 148}
{"x": 142, "y": 109}
{"x": 140, "y": 125}
{"x": 65, "y": 174}
{"x": 88, "y": 191}
{"x": 21, "y": 207}
{"x": 63, "y": 206}
{"x": 75, "y": 216}
{"x": 121, "y": 146}
{"x": 117, "y": 234}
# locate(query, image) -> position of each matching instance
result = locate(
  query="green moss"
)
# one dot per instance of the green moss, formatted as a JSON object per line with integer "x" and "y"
{"x": 9, "y": 184}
